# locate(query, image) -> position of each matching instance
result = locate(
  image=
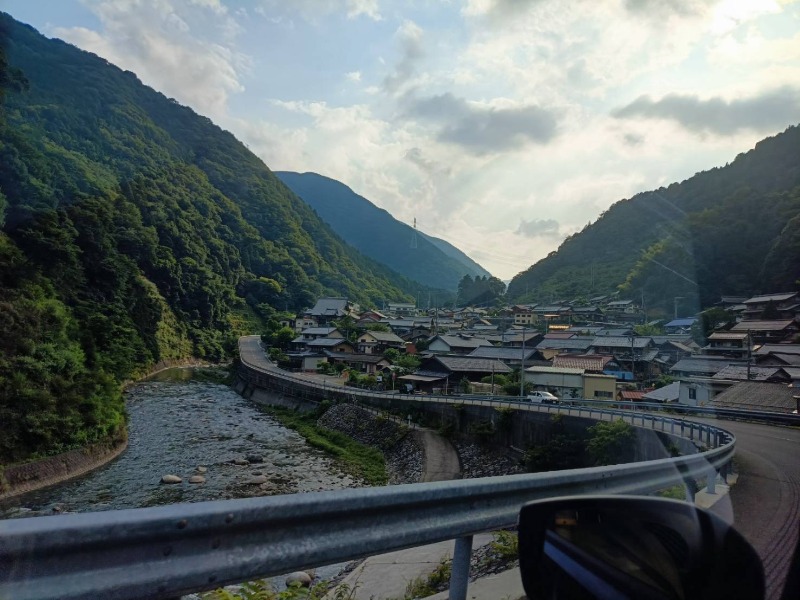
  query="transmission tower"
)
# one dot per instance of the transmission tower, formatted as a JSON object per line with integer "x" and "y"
{"x": 414, "y": 235}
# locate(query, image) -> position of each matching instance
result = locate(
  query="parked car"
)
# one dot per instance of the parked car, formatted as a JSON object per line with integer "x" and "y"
{"x": 542, "y": 398}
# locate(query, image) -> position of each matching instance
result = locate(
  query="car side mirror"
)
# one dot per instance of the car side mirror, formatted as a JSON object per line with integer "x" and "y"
{"x": 633, "y": 547}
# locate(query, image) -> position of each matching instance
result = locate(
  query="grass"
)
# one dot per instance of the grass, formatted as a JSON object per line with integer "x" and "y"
{"x": 421, "y": 587}
{"x": 354, "y": 458}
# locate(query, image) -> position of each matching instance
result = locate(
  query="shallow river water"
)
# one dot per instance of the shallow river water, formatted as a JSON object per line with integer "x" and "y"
{"x": 176, "y": 426}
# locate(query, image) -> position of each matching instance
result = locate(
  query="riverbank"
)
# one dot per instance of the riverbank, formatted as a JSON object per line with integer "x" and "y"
{"x": 16, "y": 480}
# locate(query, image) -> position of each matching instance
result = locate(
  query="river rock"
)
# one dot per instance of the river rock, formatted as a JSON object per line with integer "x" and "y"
{"x": 197, "y": 479}
{"x": 240, "y": 461}
{"x": 201, "y": 469}
{"x": 258, "y": 479}
{"x": 256, "y": 473}
{"x": 255, "y": 458}
{"x": 298, "y": 577}
{"x": 171, "y": 479}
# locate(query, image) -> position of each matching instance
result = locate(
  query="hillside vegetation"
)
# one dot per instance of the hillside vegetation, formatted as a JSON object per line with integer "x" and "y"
{"x": 731, "y": 230}
{"x": 377, "y": 234}
{"x": 134, "y": 231}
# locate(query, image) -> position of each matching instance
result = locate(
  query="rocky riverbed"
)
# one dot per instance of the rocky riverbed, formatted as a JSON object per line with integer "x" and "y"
{"x": 215, "y": 442}
{"x": 477, "y": 461}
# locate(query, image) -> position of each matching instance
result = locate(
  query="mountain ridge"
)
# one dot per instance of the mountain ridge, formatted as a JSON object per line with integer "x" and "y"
{"x": 607, "y": 256}
{"x": 379, "y": 235}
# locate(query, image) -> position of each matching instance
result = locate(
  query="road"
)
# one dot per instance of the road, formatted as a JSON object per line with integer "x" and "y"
{"x": 766, "y": 498}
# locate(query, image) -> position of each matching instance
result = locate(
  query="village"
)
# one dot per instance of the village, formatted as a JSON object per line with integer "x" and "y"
{"x": 742, "y": 353}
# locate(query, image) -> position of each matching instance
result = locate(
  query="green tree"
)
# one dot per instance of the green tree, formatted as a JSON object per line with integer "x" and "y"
{"x": 611, "y": 443}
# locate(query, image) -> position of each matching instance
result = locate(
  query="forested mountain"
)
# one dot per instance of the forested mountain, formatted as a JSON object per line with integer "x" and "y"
{"x": 731, "y": 230}
{"x": 133, "y": 231}
{"x": 377, "y": 234}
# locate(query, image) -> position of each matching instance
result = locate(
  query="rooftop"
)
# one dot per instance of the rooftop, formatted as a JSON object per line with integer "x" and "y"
{"x": 754, "y": 395}
{"x": 467, "y": 363}
{"x": 762, "y": 325}
{"x": 770, "y": 297}
{"x": 621, "y": 342}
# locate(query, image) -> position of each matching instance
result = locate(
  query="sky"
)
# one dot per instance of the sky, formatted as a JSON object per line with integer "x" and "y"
{"x": 502, "y": 126}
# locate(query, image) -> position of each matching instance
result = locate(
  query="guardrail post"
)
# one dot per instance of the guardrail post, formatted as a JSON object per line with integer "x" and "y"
{"x": 723, "y": 472}
{"x": 459, "y": 575}
{"x": 711, "y": 481}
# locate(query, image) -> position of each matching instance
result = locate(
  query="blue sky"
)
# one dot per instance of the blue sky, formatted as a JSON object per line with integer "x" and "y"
{"x": 501, "y": 125}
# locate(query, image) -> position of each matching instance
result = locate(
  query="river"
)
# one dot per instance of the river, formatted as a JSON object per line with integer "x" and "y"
{"x": 176, "y": 426}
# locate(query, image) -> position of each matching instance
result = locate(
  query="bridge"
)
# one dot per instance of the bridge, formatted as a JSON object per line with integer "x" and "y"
{"x": 162, "y": 552}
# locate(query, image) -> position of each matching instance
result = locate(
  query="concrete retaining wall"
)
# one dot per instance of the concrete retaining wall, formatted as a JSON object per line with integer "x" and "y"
{"x": 26, "y": 477}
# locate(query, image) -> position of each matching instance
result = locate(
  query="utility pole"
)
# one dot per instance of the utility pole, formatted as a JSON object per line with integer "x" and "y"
{"x": 633, "y": 362}
{"x": 749, "y": 353}
{"x": 676, "y": 304}
{"x": 522, "y": 367}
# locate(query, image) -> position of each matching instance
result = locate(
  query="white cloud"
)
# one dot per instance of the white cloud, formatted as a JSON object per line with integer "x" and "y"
{"x": 354, "y": 76}
{"x": 169, "y": 45}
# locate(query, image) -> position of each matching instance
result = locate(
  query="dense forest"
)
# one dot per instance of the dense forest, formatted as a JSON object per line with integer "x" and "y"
{"x": 731, "y": 230}
{"x": 372, "y": 230}
{"x": 134, "y": 231}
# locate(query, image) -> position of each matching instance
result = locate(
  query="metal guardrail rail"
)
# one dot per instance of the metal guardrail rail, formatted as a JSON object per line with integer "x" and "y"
{"x": 253, "y": 357}
{"x": 162, "y": 552}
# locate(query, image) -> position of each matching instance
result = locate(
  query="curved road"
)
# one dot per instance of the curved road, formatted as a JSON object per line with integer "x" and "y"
{"x": 766, "y": 497}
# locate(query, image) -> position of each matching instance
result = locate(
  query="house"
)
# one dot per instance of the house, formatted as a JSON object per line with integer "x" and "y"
{"x": 370, "y": 364}
{"x": 330, "y": 344}
{"x": 446, "y": 372}
{"x": 767, "y": 332}
{"x": 305, "y": 360}
{"x": 401, "y": 309}
{"x": 701, "y": 366}
{"x": 510, "y": 356}
{"x": 573, "y": 345}
{"x": 523, "y": 315}
{"x": 731, "y": 344}
{"x": 772, "y": 306}
{"x": 590, "y": 363}
{"x": 330, "y": 309}
{"x": 781, "y": 355}
{"x": 377, "y": 342}
{"x": 752, "y": 373}
{"x": 314, "y": 333}
{"x": 761, "y": 396}
{"x": 680, "y": 325}
{"x": 630, "y": 396}
{"x": 456, "y": 344}
{"x": 668, "y": 393}
{"x": 516, "y": 338}
{"x": 696, "y": 376}
{"x": 585, "y": 314}
{"x": 571, "y": 383}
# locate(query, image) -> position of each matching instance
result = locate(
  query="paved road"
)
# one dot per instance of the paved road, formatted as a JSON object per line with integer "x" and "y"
{"x": 441, "y": 459}
{"x": 766, "y": 498}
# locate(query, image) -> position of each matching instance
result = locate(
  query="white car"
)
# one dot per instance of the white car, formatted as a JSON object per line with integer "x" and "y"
{"x": 542, "y": 398}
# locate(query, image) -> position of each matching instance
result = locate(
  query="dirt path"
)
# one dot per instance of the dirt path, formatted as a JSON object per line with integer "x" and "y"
{"x": 441, "y": 459}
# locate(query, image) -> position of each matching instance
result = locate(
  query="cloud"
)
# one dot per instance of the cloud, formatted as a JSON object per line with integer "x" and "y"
{"x": 768, "y": 112}
{"x": 633, "y": 139}
{"x": 354, "y": 76}
{"x": 167, "y": 43}
{"x": 410, "y": 36}
{"x": 538, "y": 228}
{"x": 661, "y": 8}
{"x": 313, "y": 10}
{"x": 430, "y": 167}
{"x": 485, "y": 129}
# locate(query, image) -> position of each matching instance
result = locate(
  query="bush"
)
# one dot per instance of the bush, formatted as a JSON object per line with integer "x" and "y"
{"x": 611, "y": 443}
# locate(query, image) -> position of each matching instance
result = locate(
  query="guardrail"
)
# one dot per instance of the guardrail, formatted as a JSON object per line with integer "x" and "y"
{"x": 254, "y": 358}
{"x": 162, "y": 552}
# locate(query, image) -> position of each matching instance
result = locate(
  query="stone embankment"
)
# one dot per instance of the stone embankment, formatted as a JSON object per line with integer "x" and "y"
{"x": 478, "y": 461}
{"x": 400, "y": 446}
